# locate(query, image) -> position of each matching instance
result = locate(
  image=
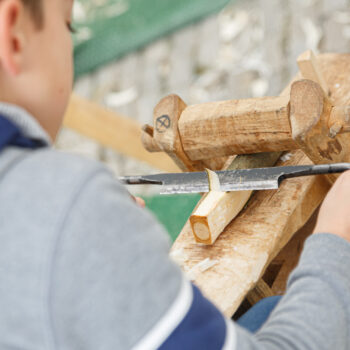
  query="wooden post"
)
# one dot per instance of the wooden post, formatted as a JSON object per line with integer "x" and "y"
{"x": 217, "y": 209}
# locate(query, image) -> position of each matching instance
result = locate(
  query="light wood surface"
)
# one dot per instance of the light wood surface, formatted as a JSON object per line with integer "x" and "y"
{"x": 112, "y": 130}
{"x": 217, "y": 209}
{"x": 166, "y": 133}
{"x": 309, "y": 68}
{"x": 224, "y": 128}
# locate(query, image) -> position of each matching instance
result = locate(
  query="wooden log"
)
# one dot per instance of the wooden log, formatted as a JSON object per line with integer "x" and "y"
{"x": 253, "y": 239}
{"x": 166, "y": 133}
{"x": 224, "y": 128}
{"x": 112, "y": 130}
{"x": 310, "y": 111}
{"x": 217, "y": 209}
{"x": 165, "y": 136}
{"x": 309, "y": 68}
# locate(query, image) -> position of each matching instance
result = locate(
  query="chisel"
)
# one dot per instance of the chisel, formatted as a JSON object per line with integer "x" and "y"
{"x": 232, "y": 180}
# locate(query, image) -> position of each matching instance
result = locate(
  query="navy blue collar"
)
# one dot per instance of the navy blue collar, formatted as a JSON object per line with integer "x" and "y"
{"x": 11, "y": 135}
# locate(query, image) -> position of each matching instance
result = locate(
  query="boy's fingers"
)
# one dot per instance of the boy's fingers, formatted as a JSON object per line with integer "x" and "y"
{"x": 139, "y": 201}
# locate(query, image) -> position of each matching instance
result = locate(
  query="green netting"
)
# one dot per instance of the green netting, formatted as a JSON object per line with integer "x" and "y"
{"x": 108, "y": 29}
{"x": 172, "y": 211}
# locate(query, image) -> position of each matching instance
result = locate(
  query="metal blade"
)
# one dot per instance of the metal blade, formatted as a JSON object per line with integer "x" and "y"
{"x": 233, "y": 180}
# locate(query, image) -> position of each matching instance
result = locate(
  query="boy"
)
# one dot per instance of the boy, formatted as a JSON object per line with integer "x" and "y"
{"x": 82, "y": 267}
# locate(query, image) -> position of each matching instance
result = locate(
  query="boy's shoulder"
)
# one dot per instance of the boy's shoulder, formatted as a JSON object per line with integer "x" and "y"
{"x": 48, "y": 172}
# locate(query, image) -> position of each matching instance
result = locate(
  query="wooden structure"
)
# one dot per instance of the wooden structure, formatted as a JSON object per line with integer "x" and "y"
{"x": 310, "y": 121}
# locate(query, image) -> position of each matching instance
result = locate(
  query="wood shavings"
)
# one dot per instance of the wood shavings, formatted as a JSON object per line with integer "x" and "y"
{"x": 214, "y": 181}
{"x": 202, "y": 266}
{"x": 285, "y": 157}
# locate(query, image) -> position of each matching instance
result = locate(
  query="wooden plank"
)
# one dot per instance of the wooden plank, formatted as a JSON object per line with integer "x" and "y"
{"x": 258, "y": 125}
{"x": 251, "y": 241}
{"x": 217, "y": 209}
{"x": 112, "y": 130}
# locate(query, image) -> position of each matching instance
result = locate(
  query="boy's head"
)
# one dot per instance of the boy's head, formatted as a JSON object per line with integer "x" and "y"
{"x": 36, "y": 68}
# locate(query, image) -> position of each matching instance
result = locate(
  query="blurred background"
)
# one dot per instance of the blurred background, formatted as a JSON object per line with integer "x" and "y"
{"x": 131, "y": 53}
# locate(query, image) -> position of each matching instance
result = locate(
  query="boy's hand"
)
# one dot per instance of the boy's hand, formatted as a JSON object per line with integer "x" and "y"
{"x": 334, "y": 215}
{"x": 139, "y": 201}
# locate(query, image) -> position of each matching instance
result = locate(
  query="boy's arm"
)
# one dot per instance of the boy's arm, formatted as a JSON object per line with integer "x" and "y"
{"x": 114, "y": 287}
{"x": 314, "y": 313}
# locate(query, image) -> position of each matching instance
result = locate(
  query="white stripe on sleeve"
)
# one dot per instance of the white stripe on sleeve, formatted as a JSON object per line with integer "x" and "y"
{"x": 170, "y": 320}
{"x": 231, "y": 337}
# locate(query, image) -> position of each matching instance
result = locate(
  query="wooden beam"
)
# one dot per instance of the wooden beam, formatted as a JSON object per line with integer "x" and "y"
{"x": 309, "y": 68}
{"x": 112, "y": 130}
{"x": 217, "y": 209}
{"x": 258, "y": 125}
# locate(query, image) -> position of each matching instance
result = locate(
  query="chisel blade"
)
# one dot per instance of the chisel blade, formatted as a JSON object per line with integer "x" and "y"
{"x": 232, "y": 180}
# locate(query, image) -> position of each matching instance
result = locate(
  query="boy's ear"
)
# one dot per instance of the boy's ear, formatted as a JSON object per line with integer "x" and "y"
{"x": 12, "y": 35}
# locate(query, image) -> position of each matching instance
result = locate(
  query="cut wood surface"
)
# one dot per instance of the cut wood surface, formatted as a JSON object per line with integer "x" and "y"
{"x": 309, "y": 113}
{"x": 166, "y": 133}
{"x": 217, "y": 209}
{"x": 165, "y": 136}
{"x": 112, "y": 130}
{"x": 261, "y": 230}
{"x": 224, "y": 128}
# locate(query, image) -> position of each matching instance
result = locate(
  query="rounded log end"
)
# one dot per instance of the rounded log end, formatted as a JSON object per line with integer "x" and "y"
{"x": 306, "y": 107}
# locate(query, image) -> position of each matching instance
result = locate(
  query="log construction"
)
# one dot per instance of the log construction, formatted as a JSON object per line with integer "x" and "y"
{"x": 249, "y": 243}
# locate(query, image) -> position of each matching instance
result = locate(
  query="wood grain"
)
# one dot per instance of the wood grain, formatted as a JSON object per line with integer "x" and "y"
{"x": 224, "y": 128}
{"x": 309, "y": 68}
